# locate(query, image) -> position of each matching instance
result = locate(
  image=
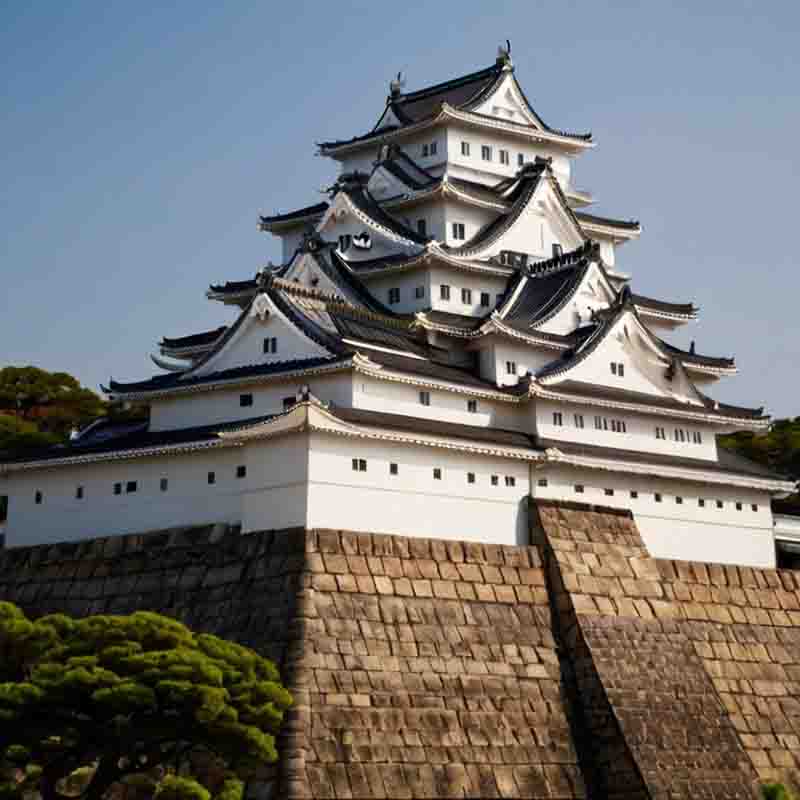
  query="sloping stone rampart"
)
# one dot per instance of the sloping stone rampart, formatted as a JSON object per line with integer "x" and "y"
{"x": 576, "y": 667}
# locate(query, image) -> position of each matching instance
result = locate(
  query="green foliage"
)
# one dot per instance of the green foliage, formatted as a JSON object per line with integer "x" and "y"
{"x": 775, "y": 791}
{"x": 120, "y": 696}
{"x": 778, "y": 449}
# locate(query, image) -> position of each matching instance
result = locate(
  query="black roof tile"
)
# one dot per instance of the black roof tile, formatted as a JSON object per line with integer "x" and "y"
{"x": 194, "y": 339}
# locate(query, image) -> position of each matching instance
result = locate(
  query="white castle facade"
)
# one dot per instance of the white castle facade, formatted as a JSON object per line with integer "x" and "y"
{"x": 449, "y": 333}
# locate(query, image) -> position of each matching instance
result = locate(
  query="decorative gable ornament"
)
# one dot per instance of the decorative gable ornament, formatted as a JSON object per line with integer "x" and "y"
{"x": 362, "y": 241}
{"x": 260, "y": 308}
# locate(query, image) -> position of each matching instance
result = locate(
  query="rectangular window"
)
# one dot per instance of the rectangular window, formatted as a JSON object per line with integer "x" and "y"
{"x": 613, "y": 367}
{"x": 241, "y": 471}
{"x": 520, "y": 160}
{"x": 598, "y": 423}
{"x": 464, "y": 148}
{"x": 679, "y": 501}
{"x": 344, "y": 241}
{"x": 444, "y": 292}
{"x": 37, "y": 498}
{"x": 720, "y": 504}
{"x": 211, "y": 478}
{"x": 433, "y": 148}
{"x": 458, "y": 231}
{"x": 419, "y": 292}
{"x": 738, "y": 506}
{"x": 470, "y": 477}
{"x": 131, "y": 487}
{"x": 614, "y": 425}
{"x": 437, "y": 473}
{"x": 425, "y": 150}
{"x": 511, "y": 367}
{"x": 558, "y": 251}
{"x": 245, "y": 400}
{"x": 117, "y": 488}
{"x": 164, "y": 484}
{"x": 504, "y": 157}
{"x": 472, "y": 406}
{"x": 359, "y": 465}
{"x": 394, "y": 295}
{"x": 605, "y": 424}
{"x": 485, "y": 299}
{"x": 661, "y": 433}
{"x": 422, "y": 227}
{"x": 578, "y": 420}
{"x": 634, "y": 494}
{"x": 753, "y": 507}
{"x": 618, "y": 369}
{"x": 495, "y": 480}
{"x": 511, "y": 480}
{"x": 393, "y": 469}
{"x": 486, "y": 152}
{"x": 270, "y": 345}
{"x": 3, "y": 508}
{"x": 608, "y": 492}
{"x": 466, "y": 297}
{"x": 558, "y": 419}
{"x": 622, "y": 426}
{"x": 79, "y": 493}
{"x": 658, "y": 497}
{"x": 578, "y": 488}
{"x": 701, "y": 502}
{"x": 542, "y": 482}
{"x": 425, "y": 398}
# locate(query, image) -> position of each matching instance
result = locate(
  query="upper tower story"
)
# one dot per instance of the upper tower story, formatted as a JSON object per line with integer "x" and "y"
{"x": 479, "y": 127}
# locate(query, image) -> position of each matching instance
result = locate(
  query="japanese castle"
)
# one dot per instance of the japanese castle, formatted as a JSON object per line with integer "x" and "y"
{"x": 449, "y": 334}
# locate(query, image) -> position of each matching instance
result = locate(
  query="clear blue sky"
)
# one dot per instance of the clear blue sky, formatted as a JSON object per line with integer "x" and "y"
{"x": 139, "y": 143}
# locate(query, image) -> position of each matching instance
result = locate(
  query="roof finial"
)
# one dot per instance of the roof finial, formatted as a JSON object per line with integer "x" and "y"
{"x": 504, "y": 55}
{"x": 397, "y": 85}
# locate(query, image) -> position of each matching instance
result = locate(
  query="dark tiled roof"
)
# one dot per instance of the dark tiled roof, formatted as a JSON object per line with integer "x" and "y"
{"x": 579, "y": 388}
{"x": 195, "y": 339}
{"x": 439, "y": 427}
{"x": 139, "y": 440}
{"x": 405, "y": 169}
{"x": 233, "y": 287}
{"x": 626, "y": 224}
{"x": 688, "y": 357}
{"x": 352, "y": 289}
{"x": 364, "y": 201}
{"x": 726, "y": 460}
{"x": 174, "y": 381}
{"x": 309, "y": 211}
{"x": 461, "y": 321}
{"x": 365, "y": 265}
{"x": 681, "y": 309}
{"x": 543, "y": 294}
{"x": 371, "y": 332}
{"x": 789, "y": 508}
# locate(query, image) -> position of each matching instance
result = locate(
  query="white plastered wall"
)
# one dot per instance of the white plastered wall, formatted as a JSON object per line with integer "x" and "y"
{"x": 671, "y": 530}
{"x": 413, "y": 503}
{"x": 457, "y": 280}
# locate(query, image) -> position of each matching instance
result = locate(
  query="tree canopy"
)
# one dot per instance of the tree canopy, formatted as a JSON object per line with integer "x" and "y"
{"x": 86, "y": 704}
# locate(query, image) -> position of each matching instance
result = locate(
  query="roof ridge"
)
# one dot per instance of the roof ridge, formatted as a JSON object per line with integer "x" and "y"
{"x": 452, "y": 83}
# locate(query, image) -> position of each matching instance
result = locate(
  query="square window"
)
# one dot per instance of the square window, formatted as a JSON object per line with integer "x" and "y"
{"x": 753, "y": 507}
{"x": 37, "y": 498}
{"x": 486, "y": 152}
{"x": 511, "y": 367}
{"x": 720, "y": 504}
{"x": 241, "y": 471}
{"x": 679, "y": 501}
{"x": 738, "y": 506}
{"x": 131, "y": 487}
{"x": 464, "y": 148}
{"x": 520, "y": 160}
{"x": 444, "y": 292}
{"x": 578, "y": 488}
{"x": 634, "y": 494}
{"x": 558, "y": 250}
{"x": 579, "y": 420}
{"x": 470, "y": 477}
{"x": 608, "y": 492}
{"x": 613, "y": 367}
{"x": 164, "y": 484}
{"x": 393, "y": 469}
{"x": 466, "y": 297}
{"x": 117, "y": 488}
{"x": 542, "y": 482}
{"x": 701, "y": 502}
{"x": 419, "y": 292}
{"x": 472, "y": 406}
{"x": 485, "y": 299}
{"x": 79, "y": 493}
{"x": 437, "y": 474}
{"x": 355, "y": 465}
{"x": 425, "y": 398}
{"x": 422, "y": 227}
{"x": 504, "y": 157}
{"x": 362, "y": 464}
{"x": 511, "y": 480}
{"x": 598, "y": 423}
{"x": 459, "y": 231}
{"x": 658, "y": 497}
{"x": 495, "y": 480}
{"x": 245, "y": 400}
{"x": 394, "y": 295}
{"x": 211, "y": 477}
{"x": 270, "y": 344}
{"x": 344, "y": 241}
{"x": 557, "y": 418}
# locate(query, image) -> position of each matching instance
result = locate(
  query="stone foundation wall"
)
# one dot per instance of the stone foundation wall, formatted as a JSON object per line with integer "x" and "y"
{"x": 575, "y": 667}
